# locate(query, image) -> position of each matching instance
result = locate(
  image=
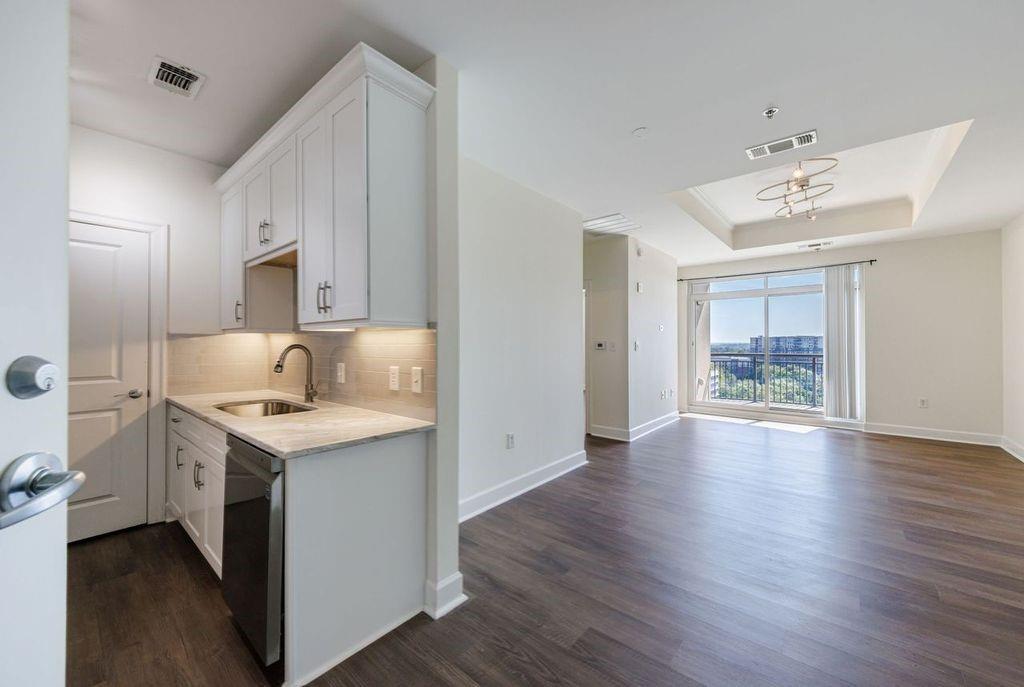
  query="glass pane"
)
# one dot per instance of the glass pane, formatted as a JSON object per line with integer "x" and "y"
{"x": 737, "y": 285}
{"x": 805, "y": 279}
{"x": 727, "y": 370}
{"x": 795, "y": 360}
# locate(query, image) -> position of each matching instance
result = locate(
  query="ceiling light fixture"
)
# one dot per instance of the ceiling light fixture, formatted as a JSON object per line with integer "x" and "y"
{"x": 798, "y": 193}
{"x": 770, "y": 112}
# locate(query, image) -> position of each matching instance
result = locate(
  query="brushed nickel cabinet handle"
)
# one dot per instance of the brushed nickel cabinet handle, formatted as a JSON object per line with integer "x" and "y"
{"x": 238, "y": 304}
{"x": 199, "y": 482}
{"x": 176, "y": 461}
{"x": 327, "y": 296}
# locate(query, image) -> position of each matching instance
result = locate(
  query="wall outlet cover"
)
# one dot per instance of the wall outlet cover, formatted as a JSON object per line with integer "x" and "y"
{"x": 417, "y": 380}
{"x": 510, "y": 441}
{"x": 393, "y": 378}
{"x": 340, "y": 375}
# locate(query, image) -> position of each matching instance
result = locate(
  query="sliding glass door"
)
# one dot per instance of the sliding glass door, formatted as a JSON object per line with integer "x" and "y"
{"x": 757, "y": 342}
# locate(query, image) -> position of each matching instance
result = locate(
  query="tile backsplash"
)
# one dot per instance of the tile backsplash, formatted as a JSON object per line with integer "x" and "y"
{"x": 207, "y": 364}
{"x": 237, "y": 362}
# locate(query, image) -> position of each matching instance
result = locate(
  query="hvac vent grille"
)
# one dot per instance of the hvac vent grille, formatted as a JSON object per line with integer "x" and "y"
{"x": 610, "y": 224}
{"x": 782, "y": 145}
{"x": 175, "y": 78}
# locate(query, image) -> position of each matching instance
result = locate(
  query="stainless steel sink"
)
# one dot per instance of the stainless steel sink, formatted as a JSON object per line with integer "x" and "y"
{"x": 263, "y": 408}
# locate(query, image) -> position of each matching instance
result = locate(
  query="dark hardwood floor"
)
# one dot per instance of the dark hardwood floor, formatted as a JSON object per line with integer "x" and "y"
{"x": 706, "y": 553}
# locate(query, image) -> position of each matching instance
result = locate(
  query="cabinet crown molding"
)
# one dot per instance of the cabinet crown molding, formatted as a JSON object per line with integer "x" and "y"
{"x": 361, "y": 62}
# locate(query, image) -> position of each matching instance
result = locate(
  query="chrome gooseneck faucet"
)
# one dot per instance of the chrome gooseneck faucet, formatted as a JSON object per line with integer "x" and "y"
{"x": 279, "y": 368}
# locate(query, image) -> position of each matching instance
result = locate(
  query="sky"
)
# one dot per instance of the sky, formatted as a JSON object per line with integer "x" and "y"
{"x": 736, "y": 320}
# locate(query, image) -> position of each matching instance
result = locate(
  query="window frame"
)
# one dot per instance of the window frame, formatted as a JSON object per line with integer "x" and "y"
{"x": 763, "y": 293}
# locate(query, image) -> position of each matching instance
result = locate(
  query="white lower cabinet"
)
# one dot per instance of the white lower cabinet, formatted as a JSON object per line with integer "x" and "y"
{"x": 195, "y": 488}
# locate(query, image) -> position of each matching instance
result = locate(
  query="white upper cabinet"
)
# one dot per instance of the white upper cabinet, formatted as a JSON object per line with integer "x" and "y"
{"x": 232, "y": 266}
{"x": 343, "y": 176}
{"x": 270, "y": 209}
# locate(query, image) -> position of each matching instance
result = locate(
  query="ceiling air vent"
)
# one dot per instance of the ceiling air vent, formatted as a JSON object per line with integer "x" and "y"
{"x": 176, "y": 78}
{"x": 817, "y": 246}
{"x": 609, "y": 224}
{"x": 782, "y": 145}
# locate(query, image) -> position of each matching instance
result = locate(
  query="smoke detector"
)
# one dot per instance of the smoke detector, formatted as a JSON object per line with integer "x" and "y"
{"x": 610, "y": 224}
{"x": 782, "y": 145}
{"x": 176, "y": 78}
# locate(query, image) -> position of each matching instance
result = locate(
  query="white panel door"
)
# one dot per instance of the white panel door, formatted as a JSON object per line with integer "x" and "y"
{"x": 108, "y": 374}
{"x": 348, "y": 299}
{"x": 232, "y": 267}
{"x": 34, "y": 313}
{"x": 316, "y": 264}
{"x": 211, "y": 480}
{"x": 281, "y": 193}
{"x": 256, "y": 193}
{"x": 195, "y": 506}
{"x": 177, "y": 469}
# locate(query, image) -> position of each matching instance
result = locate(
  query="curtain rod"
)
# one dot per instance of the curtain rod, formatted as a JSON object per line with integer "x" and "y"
{"x": 871, "y": 261}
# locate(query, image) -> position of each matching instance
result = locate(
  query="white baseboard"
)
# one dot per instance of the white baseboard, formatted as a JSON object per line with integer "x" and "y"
{"x": 652, "y": 426}
{"x": 489, "y": 498}
{"x": 362, "y": 644}
{"x": 606, "y": 432}
{"x": 1013, "y": 448}
{"x": 634, "y": 433}
{"x": 937, "y": 434}
{"x": 441, "y": 598}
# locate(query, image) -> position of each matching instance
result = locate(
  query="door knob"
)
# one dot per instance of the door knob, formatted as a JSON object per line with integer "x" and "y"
{"x": 34, "y": 483}
{"x": 133, "y": 393}
{"x": 30, "y": 376}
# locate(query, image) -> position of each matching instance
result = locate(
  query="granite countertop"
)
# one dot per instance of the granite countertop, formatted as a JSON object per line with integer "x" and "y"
{"x": 291, "y": 435}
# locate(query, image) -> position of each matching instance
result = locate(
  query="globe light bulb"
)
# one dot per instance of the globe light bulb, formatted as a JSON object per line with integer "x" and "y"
{"x": 798, "y": 172}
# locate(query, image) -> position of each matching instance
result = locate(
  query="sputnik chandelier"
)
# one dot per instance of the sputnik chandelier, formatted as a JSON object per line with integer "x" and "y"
{"x": 799, "y": 193}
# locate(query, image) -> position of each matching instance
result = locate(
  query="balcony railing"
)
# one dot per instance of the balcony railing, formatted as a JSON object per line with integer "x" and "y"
{"x": 794, "y": 379}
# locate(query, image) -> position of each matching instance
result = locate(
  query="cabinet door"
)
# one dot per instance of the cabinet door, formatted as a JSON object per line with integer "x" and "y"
{"x": 211, "y": 477}
{"x": 177, "y": 468}
{"x": 256, "y": 192}
{"x": 195, "y": 506}
{"x": 281, "y": 185}
{"x": 347, "y": 295}
{"x": 232, "y": 268}
{"x": 316, "y": 265}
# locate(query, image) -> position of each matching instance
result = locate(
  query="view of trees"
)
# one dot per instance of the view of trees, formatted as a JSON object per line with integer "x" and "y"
{"x": 794, "y": 380}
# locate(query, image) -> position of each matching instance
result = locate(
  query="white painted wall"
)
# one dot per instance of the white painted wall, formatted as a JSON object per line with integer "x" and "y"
{"x": 521, "y": 337}
{"x": 444, "y": 581}
{"x": 606, "y": 275}
{"x": 1013, "y": 335}
{"x": 933, "y": 328}
{"x": 626, "y": 381}
{"x": 653, "y": 326}
{"x": 119, "y": 178}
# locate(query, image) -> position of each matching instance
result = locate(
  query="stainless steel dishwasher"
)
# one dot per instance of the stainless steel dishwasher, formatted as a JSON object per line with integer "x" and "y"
{"x": 253, "y": 560}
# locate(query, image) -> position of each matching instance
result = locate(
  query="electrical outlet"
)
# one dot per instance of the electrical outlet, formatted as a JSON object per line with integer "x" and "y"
{"x": 510, "y": 440}
{"x": 636, "y": 344}
{"x": 639, "y": 287}
{"x": 417, "y": 380}
{"x": 340, "y": 376}
{"x": 664, "y": 394}
{"x": 922, "y": 402}
{"x": 393, "y": 378}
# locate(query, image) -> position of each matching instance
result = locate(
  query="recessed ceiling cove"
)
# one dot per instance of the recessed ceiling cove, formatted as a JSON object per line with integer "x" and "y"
{"x": 876, "y": 187}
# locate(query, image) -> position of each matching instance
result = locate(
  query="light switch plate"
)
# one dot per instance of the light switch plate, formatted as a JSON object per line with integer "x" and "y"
{"x": 417, "y": 380}
{"x": 393, "y": 378}
{"x": 340, "y": 376}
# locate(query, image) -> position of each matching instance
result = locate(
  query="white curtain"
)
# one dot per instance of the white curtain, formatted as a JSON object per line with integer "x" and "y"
{"x": 841, "y": 340}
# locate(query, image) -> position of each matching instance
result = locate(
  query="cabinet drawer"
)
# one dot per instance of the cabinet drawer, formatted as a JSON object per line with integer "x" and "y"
{"x": 206, "y": 437}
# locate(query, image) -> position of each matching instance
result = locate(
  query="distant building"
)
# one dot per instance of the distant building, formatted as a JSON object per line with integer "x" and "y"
{"x": 787, "y": 344}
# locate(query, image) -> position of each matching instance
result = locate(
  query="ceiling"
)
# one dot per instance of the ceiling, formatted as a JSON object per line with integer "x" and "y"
{"x": 550, "y": 92}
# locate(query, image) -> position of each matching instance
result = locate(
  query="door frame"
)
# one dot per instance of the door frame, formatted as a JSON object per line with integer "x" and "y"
{"x": 156, "y": 473}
